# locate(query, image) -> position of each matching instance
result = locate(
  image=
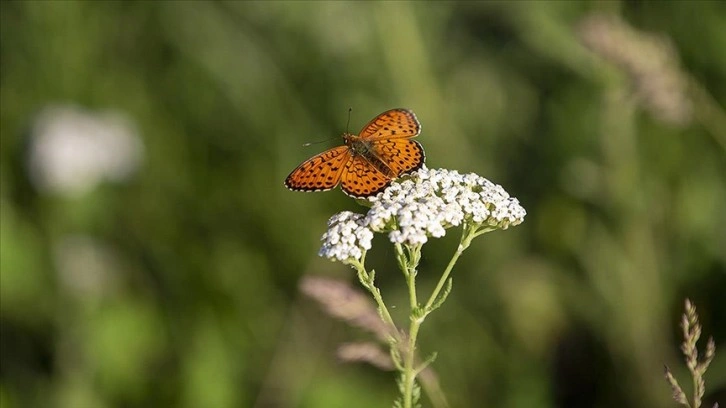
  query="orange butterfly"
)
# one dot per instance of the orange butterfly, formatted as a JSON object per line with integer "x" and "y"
{"x": 367, "y": 163}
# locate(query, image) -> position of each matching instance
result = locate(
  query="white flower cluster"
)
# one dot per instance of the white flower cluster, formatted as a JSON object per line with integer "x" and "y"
{"x": 435, "y": 199}
{"x": 347, "y": 237}
{"x": 423, "y": 206}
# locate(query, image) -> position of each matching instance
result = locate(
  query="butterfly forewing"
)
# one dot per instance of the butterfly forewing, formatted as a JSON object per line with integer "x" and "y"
{"x": 321, "y": 172}
{"x": 392, "y": 124}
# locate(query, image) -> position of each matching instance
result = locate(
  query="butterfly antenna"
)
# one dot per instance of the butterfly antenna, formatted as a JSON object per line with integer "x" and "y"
{"x": 327, "y": 140}
{"x": 318, "y": 142}
{"x": 348, "y": 124}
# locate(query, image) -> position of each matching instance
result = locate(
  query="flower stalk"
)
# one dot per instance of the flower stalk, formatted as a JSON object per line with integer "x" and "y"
{"x": 411, "y": 212}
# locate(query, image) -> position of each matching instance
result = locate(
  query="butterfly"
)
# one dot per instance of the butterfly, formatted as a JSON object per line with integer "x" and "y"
{"x": 366, "y": 164}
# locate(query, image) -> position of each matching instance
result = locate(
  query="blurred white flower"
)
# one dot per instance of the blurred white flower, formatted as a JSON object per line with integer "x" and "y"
{"x": 73, "y": 150}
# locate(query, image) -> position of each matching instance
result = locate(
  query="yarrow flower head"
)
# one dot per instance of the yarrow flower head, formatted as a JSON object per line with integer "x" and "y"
{"x": 433, "y": 200}
{"x": 423, "y": 206}
{"x": 347, "y": 238}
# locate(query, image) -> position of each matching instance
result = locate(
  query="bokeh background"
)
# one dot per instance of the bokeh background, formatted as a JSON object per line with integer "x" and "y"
{"x": 150, "y": 255}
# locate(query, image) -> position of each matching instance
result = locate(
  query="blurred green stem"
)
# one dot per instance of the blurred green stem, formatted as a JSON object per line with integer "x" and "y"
{"x": 709, "y": 112}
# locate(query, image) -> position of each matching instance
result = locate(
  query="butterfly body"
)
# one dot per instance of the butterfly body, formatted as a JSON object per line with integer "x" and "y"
{"x": 367, "y": 150}
{"x": 367, "y": 162}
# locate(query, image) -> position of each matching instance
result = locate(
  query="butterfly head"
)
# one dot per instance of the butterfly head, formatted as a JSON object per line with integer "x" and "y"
{"x": 349, "y": 139}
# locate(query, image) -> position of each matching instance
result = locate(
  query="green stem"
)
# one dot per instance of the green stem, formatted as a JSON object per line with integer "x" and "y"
{"x": 368, "y": 283}
{"x": 385, "y": 314}
{"x": 408, "y": 266}
{"x": 481, "y": 232}
{"x": 466, "y": 237}
{"x": 444, "y": 277}
{"x": 409, "y": 374}
{"x": 401, "y": 258}
{"x": 408, "y": 262}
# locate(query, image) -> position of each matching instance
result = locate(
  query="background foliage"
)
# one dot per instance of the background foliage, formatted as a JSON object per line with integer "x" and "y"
{"x": 177, "y": 284}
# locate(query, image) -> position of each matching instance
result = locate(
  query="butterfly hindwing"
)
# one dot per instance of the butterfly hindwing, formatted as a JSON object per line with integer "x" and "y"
{"x": 361, "y": 179}
{"x": 402, "y": 156}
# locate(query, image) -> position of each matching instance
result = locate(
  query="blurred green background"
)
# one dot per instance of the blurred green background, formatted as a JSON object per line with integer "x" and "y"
{"x": 150, "y": 254}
